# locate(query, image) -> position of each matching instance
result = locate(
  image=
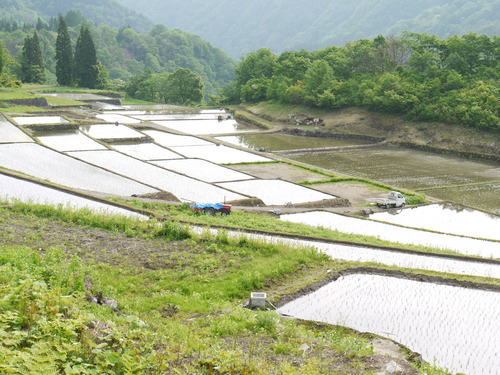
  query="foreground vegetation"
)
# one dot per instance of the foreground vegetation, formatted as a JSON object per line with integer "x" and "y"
{"x": 167, "y": 301}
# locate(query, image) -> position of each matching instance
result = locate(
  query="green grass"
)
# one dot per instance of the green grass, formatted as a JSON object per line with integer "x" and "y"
{"x": 60, "y": 102}
{"x": 21, "y": 108}
{"x": 14, "y": 94}
{"x": 133, "y": 101}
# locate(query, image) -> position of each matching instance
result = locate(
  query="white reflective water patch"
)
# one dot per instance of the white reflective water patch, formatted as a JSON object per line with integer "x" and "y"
{"x": 70, "y": 141}
{"x": 39, "y": 120}
{"x": 455, "y": 327}
{"x": 447, "y": 218}
{"x": 200, "y": 127}
{"x": 219, "y": 154}
{"x": 147, "y": 151}
{"x": 178, "y": 116}
{"x": 118, "y": 118}
{"x": 10, "y": 133}
{"x": 170, "y": 140}
{"x": 127, "y": 113}
{"x": 29, "y": 192}
{"x": 203, "y": 170}
{"x": 276, "y": 192}
{"x": 214, "y": 111}
{"x": 184, "y": 188}
{"x": 39, "y": 161}
{"x": 389, "y": 232}
{"x": 102, "y": 131}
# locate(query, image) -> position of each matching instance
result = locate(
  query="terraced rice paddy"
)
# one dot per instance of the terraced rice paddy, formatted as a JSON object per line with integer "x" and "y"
{"x": 276, "y": 192}
{"x": 447, "y": 218}
{"x": 184, "y": 188}
{"x": 9, "y": 133}
{"x": 201, "y": 127}
{"x": 202, "y": 170}
{"x": 69, "y": 141}
{"x": 39, "y": 120}
{"x": 219, "y": 154}
{"x": 455, "y": 327}
{"x": 173, "y": 140}
{"x": 18, "y": 189}
{"x": 346, "y": 224}
{"x": 180, "y": 117}
{"x": 102, "y": 131}
{"x": 121, "y": 119}
{"x": 40, "y": 162}
{"x": 147, "y": 151}
{"x": 280, "y": 142}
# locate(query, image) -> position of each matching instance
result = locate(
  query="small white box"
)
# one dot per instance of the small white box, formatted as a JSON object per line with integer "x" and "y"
{"x": 258, "y": 299}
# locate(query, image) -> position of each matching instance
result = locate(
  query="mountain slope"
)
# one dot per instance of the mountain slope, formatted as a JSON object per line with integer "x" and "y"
{"x": 102, "y": 12}
{"x": 241, "y": 26}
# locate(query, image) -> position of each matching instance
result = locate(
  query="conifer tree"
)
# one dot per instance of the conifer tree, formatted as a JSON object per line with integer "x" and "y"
{"x": 32, "y": 65}
{"x": 85, "y": 60}
{"x": 64, "y": 55}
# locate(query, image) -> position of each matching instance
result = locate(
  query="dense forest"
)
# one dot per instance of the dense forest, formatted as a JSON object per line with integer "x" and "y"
{"x": 126, "y": 52}
{"x": 239, "y": 26}
{"x": 452, "y": 80}
{"x": 101, "y": 12}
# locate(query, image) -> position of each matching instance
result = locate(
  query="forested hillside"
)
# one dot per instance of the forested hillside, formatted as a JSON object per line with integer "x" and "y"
{"x": 452, "y": 80}
{"x": 126, "y": 52}
{"x": 102, "y": 12}
{"x": 240, "y": 26}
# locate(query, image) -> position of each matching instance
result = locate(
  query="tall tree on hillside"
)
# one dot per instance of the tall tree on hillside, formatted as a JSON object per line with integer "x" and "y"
{"x": 85, "y": 60}
{"x": 32, "y": 64}
{"x": 64, "y": 55}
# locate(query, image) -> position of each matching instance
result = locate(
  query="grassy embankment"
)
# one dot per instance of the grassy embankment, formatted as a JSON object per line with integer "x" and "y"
{"x": 177, "y": 297}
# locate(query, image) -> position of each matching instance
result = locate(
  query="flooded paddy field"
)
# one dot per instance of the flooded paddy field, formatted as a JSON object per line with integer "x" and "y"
{"x": 41, "y": 162}
{"x": 404, "y": 167}
{"x": 276, "y": 192}
{"x": 39, "y": 120}
{"x": 172, "y": 140}
{"x": 180, "y": 117}
{"x": 203, "y": 170}
{"x": 346, "y": 224}
{"x": 279, "y": 170}
{"x": 147, "y": 151}
{"x": 486, "y": 197}
{"x": 10, "y": 133}
{"x": 104, "y": 131}
{"x": 455, "y": 327}
{"x": 71, "y": 140}
{"x": 219, "y": 154}
{"x": 447, "y": 218}
{"x": 184, "y": 188}
{"x": 280, "y": 142}
{"x": 18, "y": 189}
{"x": 203, "y": 127}
{"x": 118, "y": 118}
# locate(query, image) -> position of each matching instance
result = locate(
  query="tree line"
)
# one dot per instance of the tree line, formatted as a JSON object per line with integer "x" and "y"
{"x": 79, "y": 67}
{"x": 453, "y": 80}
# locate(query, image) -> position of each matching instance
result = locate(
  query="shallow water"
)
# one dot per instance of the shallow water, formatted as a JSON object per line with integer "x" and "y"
{"x": 486, "y": 197}
{"x": 147, "y": 151}
{"x": 25, "y": 191}
{"x": 276, "y": 192}
{"x": 39, "y": 161}
{"x": 200, "y": 127}
{"x": 72, "y": 140}
{"x": 10, "y": 133}
{"x": 280, "y": 142}
{"x": 219, "y": 154}
{"x": 178, "y": 116}
{"x": 184, "y": 188}
{"x": 39, "y": 120}
{"x": 202, "y": 170}
{"x": 121, "y": 119}
{"x": 169, "y": 139}
{"x": 405, "y": 168}
{"x": 454, "y": 326}
{"x": 447, "y": 218}
{"x": 389, "y": 232}
{"x": 102, "y": 131}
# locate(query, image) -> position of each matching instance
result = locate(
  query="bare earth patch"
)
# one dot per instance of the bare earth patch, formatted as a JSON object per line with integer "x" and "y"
{"x": 279, "y": 170}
